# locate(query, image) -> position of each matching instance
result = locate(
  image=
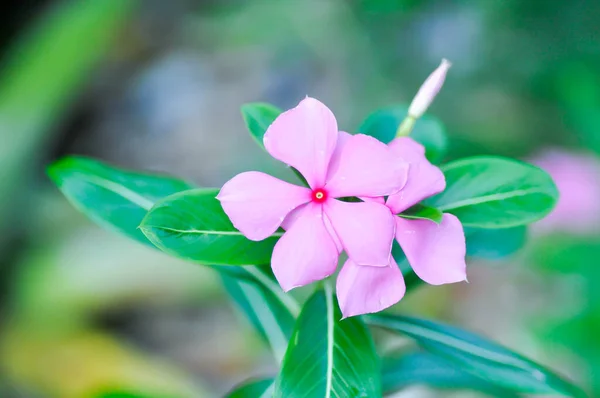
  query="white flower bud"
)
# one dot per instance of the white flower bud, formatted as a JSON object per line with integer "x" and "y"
{"x": 428, "y": 90}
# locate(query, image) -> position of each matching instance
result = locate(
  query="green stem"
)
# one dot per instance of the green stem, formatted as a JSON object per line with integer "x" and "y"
{"x": 406, "y": 126}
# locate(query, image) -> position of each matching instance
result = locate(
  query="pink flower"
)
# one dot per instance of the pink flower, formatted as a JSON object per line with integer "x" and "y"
{"x": 436, "y": 252}
{"x": 576, "y": 175}
{"x": 318, "y": 226}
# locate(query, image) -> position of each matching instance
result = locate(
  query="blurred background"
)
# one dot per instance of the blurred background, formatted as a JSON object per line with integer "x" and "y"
{"x": 157, "y": 86}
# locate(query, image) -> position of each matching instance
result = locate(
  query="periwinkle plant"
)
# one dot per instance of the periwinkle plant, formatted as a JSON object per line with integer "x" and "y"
{"x": 265, "y": 237}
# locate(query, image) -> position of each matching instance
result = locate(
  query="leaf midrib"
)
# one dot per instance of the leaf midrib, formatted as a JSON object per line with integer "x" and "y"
{"x": 120, "y": 190}
{"x": 452, "y": 341}
{"x": 490, "y": 198}
{"x": 201, "y": 231}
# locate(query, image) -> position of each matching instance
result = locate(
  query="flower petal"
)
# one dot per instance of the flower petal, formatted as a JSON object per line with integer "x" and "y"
{"x": 257, "y": 203}
{"x": 304, "y": 137}
{"x": 367, "y": 167}
{"x": 424, "y": 179}
{"x": 435, "y": 252}
{"x": 363, "y": 289}
{"x": 365, "y": 229}
{"x": 297, "y": 213}
{"x": 334, "y": 163}
{"x": 306, "y": 252}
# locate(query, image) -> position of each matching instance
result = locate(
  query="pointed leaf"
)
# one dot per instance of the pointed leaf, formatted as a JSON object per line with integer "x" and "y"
{"x": 192, "y": 225}
{"x": 428, "y": 130}
{"x": 478, "y": 356}
{"x": 495, "y": 192}
{"x": 423, "y": 368}
{"x": 112, "y": 197}
{"x": 423, "y": 212}
{"x": 258, "y": 117}
{"x": 119, "y": 200}
{"x": 327, "y": 356}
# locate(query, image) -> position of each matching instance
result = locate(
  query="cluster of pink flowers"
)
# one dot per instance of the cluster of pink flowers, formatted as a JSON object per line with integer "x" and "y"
{"x": 319, "y": 226}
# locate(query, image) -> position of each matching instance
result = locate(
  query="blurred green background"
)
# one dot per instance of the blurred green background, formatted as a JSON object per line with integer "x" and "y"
{"x": 156, "y": 86}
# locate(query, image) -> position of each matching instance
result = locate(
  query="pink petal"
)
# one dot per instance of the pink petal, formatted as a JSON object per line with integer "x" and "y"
{"x": 293, "y": 216}
{"x": 367, "y": 167}
{"x": 257, "y": 203}
{"x": 306, "y": 252}
{"x": 365, "y": 229}
{"x": 334, "y": 163}
{"x": 363, "y": 289}
{"x": 436, "y": 252}
{"x": 424, "y": 179}
{"x": 297, "y": 213}
{"x": 304, "y": 137}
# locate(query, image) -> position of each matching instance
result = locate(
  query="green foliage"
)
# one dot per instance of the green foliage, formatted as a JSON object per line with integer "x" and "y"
{"x": 253, "y": 388}
{"x": 423, "y": 212}
{"x": 494, "y": 192}
{"x": 408, "y": 369}
{"x": 119, "y": 200}
{"x": 428, "y": 130}
{"x": 258, "y": 117}
{"x": 272, "y": 312}
{"x": 328, "y": 356}
{"x": 478, "y": 356}
{"x": 494, "y": 243}
{"x": 192, "y": 225}
{"x": 114, "y": 198}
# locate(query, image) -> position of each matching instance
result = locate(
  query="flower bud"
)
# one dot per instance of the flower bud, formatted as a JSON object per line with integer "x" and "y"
{"x": 428, "y": 90}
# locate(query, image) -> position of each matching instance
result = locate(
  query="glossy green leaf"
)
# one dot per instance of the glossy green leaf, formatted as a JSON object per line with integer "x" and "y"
{"x": 328, "y": 356}
{"x": 422, "y": 212}
{"x": 494, "y": 243}
{"x": 112, "y": 197}
{"x": 494, "y": 192}
{"x": 429, "y": 131}
{"x": 258, "y": 117}
{"x": 119, "y": 200}
{"x": 478, "y": 356}
{"x": 192, "y": 225}
{"x": 254, "y": 388}
{"x": 271, "y": 311}
{"x": 423, "y": 368}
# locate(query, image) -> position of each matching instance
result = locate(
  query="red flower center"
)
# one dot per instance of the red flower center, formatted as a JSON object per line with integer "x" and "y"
{"x": 319, "y": 195}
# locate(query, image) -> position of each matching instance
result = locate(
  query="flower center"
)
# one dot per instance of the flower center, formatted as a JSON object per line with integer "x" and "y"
{"x": 319, "y": 195}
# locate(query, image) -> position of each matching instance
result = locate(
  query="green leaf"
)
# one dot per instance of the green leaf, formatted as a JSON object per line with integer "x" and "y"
{"x": 429, "y": 131}
{"x": 254, "y": 388}
{"x": 258, "y": 117}
{"x": 478, "y": 356}
{"x": 114, "y": 198}
{"x": 408, "y": 369}
{"x": 494, "y": 243}
{"x": 192, "y": 225}
{"x": 423, "y": 212}
{"x": 494, "y": 192}
{"x": 271, "y": 311}
{"x": 119, "y": 200}
{"x": 327, "y": 356}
